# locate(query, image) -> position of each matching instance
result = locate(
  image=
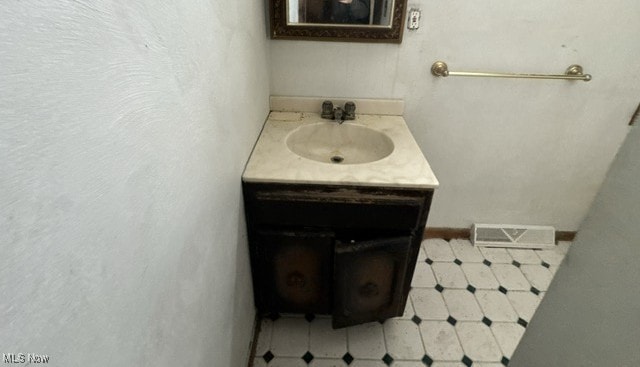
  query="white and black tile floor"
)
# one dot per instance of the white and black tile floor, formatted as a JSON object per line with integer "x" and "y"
{"x": 467, "y": 307}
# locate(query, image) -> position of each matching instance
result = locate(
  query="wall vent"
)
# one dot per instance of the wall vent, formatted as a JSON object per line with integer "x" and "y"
{"x": 513, "y": 236}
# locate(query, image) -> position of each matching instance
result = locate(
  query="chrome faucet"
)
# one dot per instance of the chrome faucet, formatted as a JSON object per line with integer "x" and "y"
{"x": 338, "y": 113}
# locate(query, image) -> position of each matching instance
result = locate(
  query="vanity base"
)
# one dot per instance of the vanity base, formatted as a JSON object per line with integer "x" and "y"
{"x": 348, "y": 251}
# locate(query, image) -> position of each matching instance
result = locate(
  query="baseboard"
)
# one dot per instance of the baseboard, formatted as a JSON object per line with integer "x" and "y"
{"x": 565, "y": 235}
{"x": 465, "y": 233}
{"x": 447, "y": 233}
{"x": 254, "y": 343}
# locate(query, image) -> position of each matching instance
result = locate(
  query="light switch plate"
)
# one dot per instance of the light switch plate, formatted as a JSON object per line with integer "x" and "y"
{"x": 414, "y": 18}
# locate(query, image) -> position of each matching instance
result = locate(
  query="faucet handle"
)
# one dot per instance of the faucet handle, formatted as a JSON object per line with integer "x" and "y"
{"x": 349, "y": 111}
{"x": 327, "y": 110}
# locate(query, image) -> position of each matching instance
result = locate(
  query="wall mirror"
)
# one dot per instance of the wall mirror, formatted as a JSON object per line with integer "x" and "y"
{"x": 338, "y": 20}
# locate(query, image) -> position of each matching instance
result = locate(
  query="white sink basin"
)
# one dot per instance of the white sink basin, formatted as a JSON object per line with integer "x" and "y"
{"x": 376, "y": 150}
{"x": 347, "y": 143}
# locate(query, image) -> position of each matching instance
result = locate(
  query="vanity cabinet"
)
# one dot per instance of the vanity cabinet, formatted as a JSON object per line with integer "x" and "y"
{"x": 347, "y": 251}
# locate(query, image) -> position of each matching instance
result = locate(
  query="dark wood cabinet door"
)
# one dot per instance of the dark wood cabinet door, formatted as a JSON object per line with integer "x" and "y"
{"x": 297, "y": 270}
{"x": 369, "y": 280}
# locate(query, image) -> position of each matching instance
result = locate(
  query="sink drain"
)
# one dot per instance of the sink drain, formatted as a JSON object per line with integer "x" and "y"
{"x": 337, "y": 159}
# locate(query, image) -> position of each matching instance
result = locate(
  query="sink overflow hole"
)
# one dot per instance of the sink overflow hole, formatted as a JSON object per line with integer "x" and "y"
{"x": 337, "y": 159}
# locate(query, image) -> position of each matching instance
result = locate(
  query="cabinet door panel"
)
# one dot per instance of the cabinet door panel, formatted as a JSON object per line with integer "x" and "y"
{"x": 369, "y": 280}
{"x": 297, "y": 270}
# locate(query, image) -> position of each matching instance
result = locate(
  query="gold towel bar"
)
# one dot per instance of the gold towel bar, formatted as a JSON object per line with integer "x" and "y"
{"x": 574, "y": 72}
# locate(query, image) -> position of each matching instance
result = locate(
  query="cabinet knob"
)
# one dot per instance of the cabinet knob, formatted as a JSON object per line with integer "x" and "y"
{"x": 369, "y": 290}
{"x": 296, "y": 279}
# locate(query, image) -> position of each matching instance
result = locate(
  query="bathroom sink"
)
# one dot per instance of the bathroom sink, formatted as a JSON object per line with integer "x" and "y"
{"x": 372, "y": 150}
{"x": 347, "y": 143}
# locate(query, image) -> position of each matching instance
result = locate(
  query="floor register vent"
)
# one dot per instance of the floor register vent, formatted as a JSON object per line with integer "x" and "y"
{"x": 513, "y": 236}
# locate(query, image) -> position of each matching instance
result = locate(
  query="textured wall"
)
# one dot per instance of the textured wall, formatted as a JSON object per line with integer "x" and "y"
{"x": 124, "y": 128}
{"x": 591, "y": 313}
{"x": 504, "y": 150}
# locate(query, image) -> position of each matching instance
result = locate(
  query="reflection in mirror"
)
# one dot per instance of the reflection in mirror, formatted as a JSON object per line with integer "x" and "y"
{"x": 340, "y": 12}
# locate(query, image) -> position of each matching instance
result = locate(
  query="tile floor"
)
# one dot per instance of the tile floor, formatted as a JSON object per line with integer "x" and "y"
{"x": 467, "y": 306}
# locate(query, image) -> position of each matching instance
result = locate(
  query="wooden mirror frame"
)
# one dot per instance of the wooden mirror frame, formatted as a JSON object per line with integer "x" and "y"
{"x": 340, "y": 33}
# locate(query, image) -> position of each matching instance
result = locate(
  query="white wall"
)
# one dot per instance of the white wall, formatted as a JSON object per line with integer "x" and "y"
{"x": 124, "y": 128}
{"x": 514, "y": 151}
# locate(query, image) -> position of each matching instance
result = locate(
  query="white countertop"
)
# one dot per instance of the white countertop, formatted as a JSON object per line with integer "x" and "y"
{"x": 272, "y": 161}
